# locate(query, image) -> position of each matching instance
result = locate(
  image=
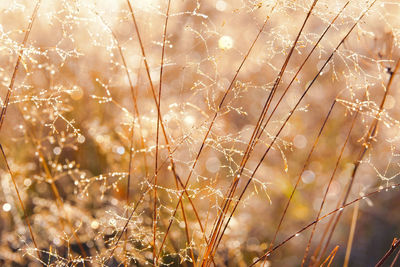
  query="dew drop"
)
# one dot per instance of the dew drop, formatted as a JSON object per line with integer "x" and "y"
{"x": 7, "y": 207}
{"x": 57, "y": 150}
{"x": 225, "y": 42}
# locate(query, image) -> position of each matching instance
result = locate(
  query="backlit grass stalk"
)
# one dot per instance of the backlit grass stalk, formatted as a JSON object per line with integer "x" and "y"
{"x": 292, "y": 112}
{"x": 218, "y": 223}
{"x": 368, "y": 141}
{"x": 3, "y": 114}
{"x": 155, "y": 258}
{"x": 333, "y": 212}
{"x": 329, "y": 185}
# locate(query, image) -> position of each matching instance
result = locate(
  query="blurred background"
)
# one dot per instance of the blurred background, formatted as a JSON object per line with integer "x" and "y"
{"x": 82, "y": 120}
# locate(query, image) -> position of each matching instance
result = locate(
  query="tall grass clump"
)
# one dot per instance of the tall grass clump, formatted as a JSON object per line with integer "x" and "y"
{"x": 199, "y": 133}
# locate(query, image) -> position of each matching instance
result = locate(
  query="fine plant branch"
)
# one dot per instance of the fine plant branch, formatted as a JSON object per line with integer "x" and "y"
{"x": 253, "y": 142}
{"x": 155, "y": 258}
{"x": 164, "y": 133}
{"x": 368, "y": 142}
{"x": 329, "y": 186}
{"x": 156, "y": 102}
{"x": 171, "y": 133}
{"x": 333, "y": 212}
{"x": 393, "y": 247}
{"x": 221, "y": 217}
{"x": 21, "y": 203}
{"x": 137, "y": 115}
{"x": 50, "y": 177}
{"x": 330, "y": 257}
{"x": 351, "y": 235}
{"x": 17, "y": 64}
{"x": 215, "y": 117}
{"x": 3, "y": 114}
{"x": 292, "y": 112}
{"x": 395, "y": 259}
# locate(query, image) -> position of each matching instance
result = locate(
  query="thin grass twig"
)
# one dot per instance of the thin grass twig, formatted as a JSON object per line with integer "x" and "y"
{"x": 3, "y": 114}
{"x": 293, "y": 109}
{"x": 218, "y": 223}
{"x": 393, "y": 247}
{"x": 21, "y": 203}
{"x": 395, "y": 259}
{"x": 296, "y": 234}
{"x": 368, "y": 140}
{"x": 351, "y": 235}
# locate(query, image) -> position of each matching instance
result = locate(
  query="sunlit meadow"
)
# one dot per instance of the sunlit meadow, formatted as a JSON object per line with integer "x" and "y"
{"x": 199, "y": 133}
